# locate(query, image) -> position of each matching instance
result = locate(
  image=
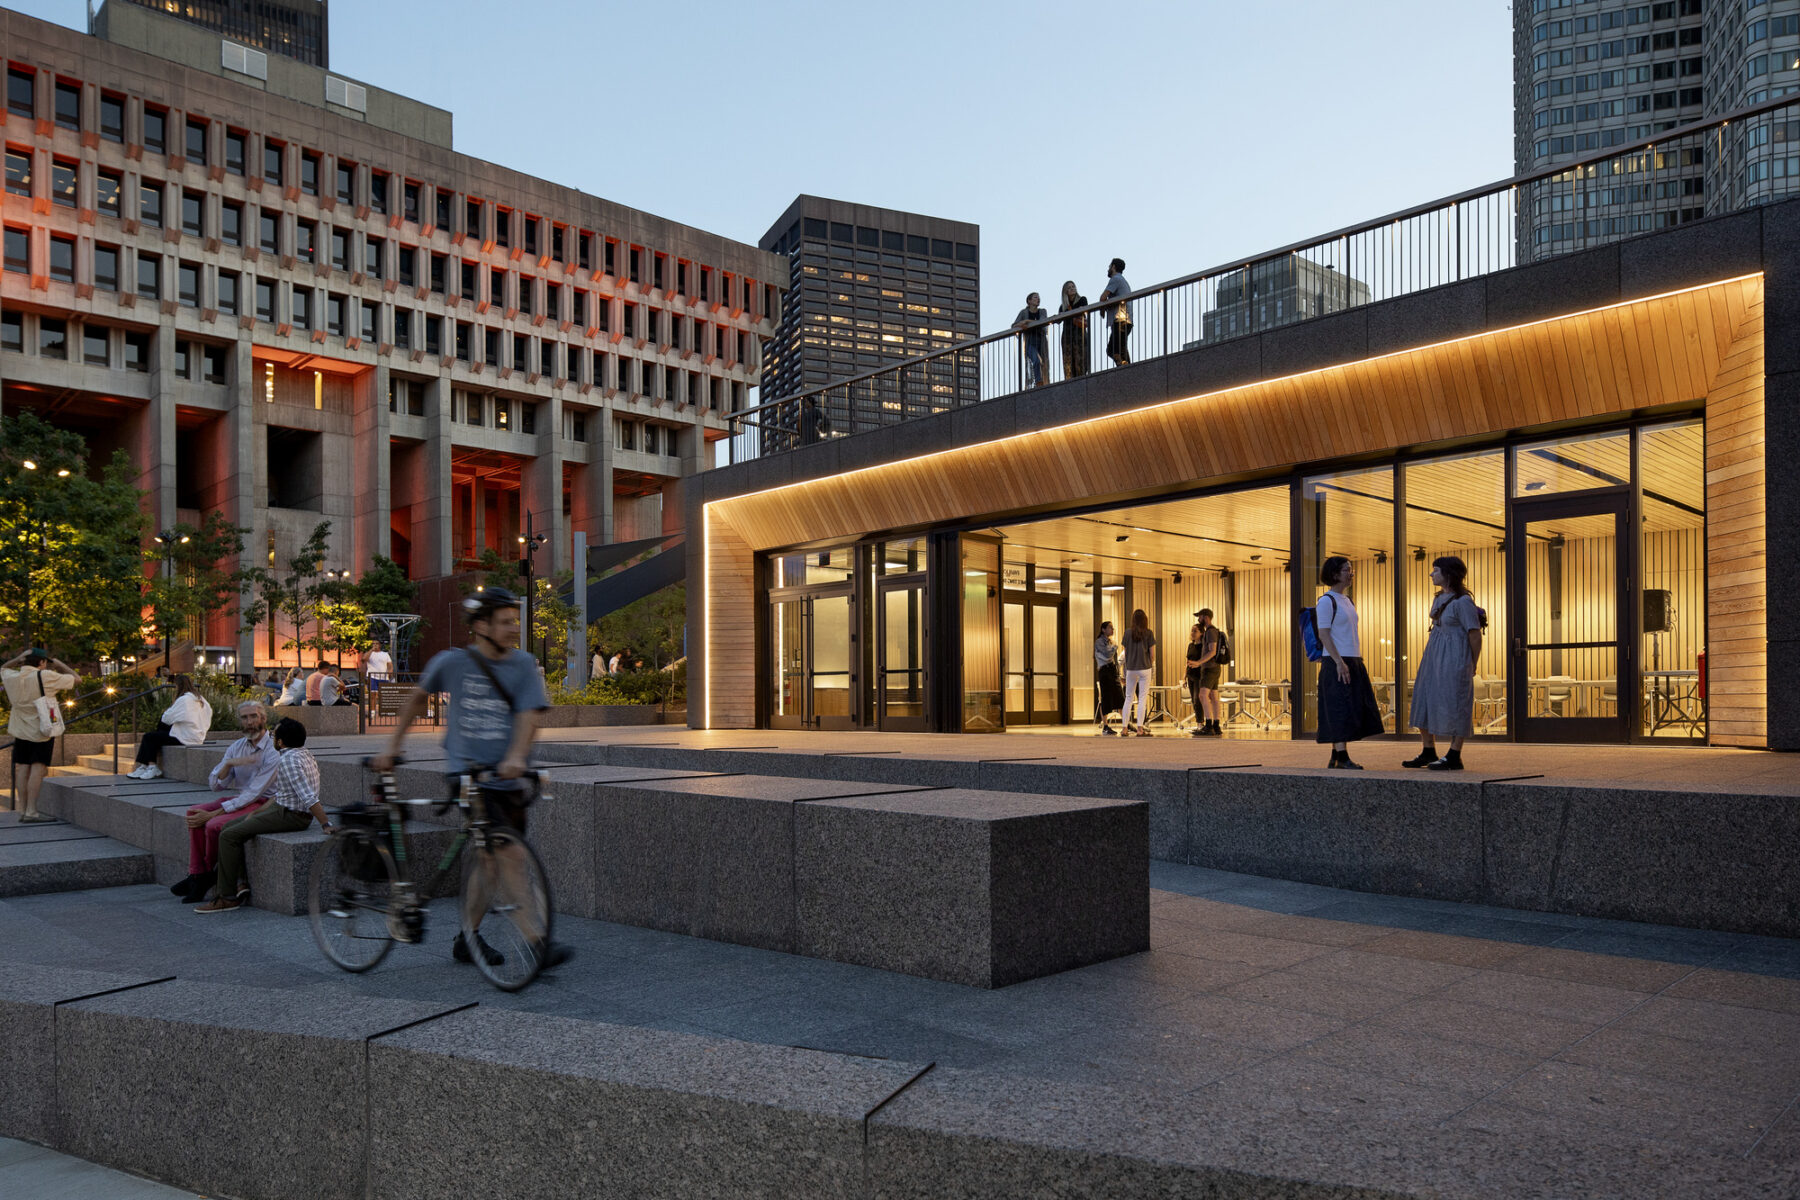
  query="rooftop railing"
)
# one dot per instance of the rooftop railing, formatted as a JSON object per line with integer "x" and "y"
{"x": 1745, "y": 158}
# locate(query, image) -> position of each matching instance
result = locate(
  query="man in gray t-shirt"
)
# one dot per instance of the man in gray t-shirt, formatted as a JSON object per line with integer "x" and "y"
{"x": 1118, "y": 316}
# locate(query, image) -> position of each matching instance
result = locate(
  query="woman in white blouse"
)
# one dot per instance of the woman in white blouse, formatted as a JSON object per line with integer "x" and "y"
{"x": 184, "y": 723}
{"x": 1348, "y": 711}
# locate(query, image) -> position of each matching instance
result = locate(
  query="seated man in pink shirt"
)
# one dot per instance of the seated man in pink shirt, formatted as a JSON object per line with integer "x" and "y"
{"x": 248, "y": 769}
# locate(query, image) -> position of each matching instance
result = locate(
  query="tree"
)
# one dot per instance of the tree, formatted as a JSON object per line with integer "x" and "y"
{"x": 652, "y": 628}
{"x": 195, "y": 584}
{"x": 384, "y": 588}
{"x": 551, "y": 616}
{"x": 70, "y": 565}
{"x": 295, "y": 594}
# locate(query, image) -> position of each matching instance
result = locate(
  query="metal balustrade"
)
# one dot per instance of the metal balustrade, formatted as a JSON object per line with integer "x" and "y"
{"x": 1746, "y": 158}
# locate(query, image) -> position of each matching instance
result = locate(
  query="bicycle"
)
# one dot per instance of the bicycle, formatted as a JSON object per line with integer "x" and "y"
{"x": 362, "y": 898}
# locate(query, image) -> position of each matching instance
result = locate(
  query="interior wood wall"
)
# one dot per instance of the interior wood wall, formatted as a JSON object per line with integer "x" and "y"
{"x": 1706, "y": 342}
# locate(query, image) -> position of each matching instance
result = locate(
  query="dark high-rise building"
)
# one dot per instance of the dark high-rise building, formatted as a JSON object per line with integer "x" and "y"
{"x": 871, "y": 287}
{"x": 296, "y": 28}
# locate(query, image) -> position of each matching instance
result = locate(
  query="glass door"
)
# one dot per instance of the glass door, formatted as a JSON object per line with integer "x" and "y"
{"x": 813, "y": 677}
{"x": 1034, "y": 658}
{"x": 1569, "y": 566}
{"x": 901, "y": 653}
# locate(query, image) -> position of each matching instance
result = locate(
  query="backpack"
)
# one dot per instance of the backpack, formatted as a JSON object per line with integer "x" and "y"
{"x": 1309, "y": 633}
{"x": 1222, "y": 654}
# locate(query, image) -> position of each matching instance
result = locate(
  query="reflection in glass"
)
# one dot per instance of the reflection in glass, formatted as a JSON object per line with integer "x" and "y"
{"x": 1013, "y": 621}
{"x": 1352, "y": 514}
{"x": 1045, "y": 680}
{"x": 981, "y": 636}
{"x": 1574, "y": 464}
{"x": 831, "y": 657}
{"x": 1457, "y": 506}
{"x": 903, "y": 652}
{"x": 790, "y": 658}
{"x": 1572, "y": 612}
{"x": 1672, "y": 460}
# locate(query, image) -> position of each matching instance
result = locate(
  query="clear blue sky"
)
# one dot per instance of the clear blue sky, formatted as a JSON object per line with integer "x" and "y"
{"x": 1177, "y": 135}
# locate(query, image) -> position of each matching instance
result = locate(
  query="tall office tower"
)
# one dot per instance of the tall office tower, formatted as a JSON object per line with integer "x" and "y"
{"x": 1591, "y": 76}
{"x": 296, "y": 28}
{"x": 870, "y": 287}
{"x": 1754, "y": 57}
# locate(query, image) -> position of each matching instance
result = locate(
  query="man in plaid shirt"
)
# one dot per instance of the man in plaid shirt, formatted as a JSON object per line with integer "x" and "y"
{"x": 296, "y": 806}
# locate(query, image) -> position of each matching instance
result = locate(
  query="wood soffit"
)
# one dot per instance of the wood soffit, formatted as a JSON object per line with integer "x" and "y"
{"x": 1642, "y": 354}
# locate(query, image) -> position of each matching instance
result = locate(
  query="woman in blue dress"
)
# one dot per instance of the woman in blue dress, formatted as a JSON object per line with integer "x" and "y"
{"x": 1443, "y": 697}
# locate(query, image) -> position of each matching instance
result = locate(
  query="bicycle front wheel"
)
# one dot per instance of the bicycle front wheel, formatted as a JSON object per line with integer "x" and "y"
{"x": 504, "y": 884}
{"x": 348, "y": 891}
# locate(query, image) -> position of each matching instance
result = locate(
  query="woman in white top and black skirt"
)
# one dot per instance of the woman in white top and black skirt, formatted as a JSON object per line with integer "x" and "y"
{"x": 1348, "y": 711}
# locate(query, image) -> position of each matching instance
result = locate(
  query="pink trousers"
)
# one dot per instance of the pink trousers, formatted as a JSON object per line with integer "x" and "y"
{"x": 203, "y": 843}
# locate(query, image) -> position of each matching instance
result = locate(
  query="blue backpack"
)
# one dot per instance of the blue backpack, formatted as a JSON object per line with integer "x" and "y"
{"x": 1309, "y": 632}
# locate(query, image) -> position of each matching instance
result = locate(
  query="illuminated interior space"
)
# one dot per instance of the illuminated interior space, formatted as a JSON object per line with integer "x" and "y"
{"x": 1611, "y": 537}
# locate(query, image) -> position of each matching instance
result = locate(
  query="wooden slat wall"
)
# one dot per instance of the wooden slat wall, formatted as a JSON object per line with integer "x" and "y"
{"x": 730, "y": 650}
{"x": 1736, "y": 514}
{"x": 1262, "y": 634}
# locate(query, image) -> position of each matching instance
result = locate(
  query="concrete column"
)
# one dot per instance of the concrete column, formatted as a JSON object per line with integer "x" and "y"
{"x": 433, "y": 512}
{"x": 541, "y": 490}
{"x": 478, "y": 517}
{"x": 597, "y": 480}
{"x": 152, "y": 434}
{"x": 694, "y": 449}
{"x": 371, "y": 498}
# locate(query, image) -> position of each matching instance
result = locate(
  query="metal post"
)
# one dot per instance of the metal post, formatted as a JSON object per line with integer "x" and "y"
{"x": 578, "y": 654}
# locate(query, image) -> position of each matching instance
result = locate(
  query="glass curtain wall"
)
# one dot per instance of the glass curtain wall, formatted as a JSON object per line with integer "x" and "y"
{"x": 1351, "y": 513}
{"x": 981, "y": 708}
{"x": 1672, "y": 477}
{"x": 1457, "y": 506}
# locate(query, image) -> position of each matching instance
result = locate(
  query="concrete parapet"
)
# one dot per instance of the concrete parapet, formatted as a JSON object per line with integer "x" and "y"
{"x": 979, "y": 888}
{"x": 28, "y": 998}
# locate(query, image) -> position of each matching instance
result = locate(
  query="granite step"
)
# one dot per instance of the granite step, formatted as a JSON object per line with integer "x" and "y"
{"x": 60, "y": 857}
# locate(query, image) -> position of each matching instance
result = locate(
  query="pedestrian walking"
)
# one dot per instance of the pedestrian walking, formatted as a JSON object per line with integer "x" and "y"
{"x": 1347, "y": 708}
{"x": 1036, "y": 337}
{"x": 184, "y": 723}
{"x": 1074, "y": 332}
{"x": 1140, "y": 661}
{"x": 1118, "y": 315}
{"x": 1443, "y": 698}
{"x": 36, "y": 719}
{"x": 1106, "y": 675}
{"x": 1203, "y": 673}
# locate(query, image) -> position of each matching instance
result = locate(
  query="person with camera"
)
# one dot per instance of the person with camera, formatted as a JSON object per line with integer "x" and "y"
{"x": 496, "y": 693}
{"x": 33, "y": 725}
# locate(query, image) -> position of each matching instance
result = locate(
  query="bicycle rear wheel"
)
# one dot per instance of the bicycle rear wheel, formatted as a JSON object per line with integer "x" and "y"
{"x": 514, "y": 925}
{"x": 348, "y": 891}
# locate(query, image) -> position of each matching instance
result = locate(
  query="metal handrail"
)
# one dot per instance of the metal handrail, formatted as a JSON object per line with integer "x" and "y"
{"x": 954, "y": 357}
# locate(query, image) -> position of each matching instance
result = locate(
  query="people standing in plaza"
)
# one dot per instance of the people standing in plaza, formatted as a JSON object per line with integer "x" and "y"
{"x": 296, "y": 805}
{"x": 1203, "y": 672}
{"x": 184, "y": 723}
{"x": 1443, "y": 698}
{"x": 1118, "y": 315}
{"x": 1036, "y": 337}
{"x": 28, "y": 679}
{"x": 1348, "y": 711}
{"x": 1106, "y": 675}
{"x": 1140, "y": 662}
{"x": 379, "y": 668}
{"x": 248, "y": 770}
{"x": 1074, "y": 332}
{"x": 597, "y": 667}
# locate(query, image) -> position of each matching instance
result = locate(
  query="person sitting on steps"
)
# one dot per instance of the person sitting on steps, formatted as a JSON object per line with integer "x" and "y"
{"x": 296, "y": 806}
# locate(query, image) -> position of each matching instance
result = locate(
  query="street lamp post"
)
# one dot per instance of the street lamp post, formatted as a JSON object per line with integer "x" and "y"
{"x": 168, "y": 539}
{"x": 529, "y": 543}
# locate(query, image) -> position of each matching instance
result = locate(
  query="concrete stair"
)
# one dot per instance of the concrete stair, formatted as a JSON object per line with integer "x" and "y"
{"x": 60, "y": 857}
{"x": 90, "y": 765}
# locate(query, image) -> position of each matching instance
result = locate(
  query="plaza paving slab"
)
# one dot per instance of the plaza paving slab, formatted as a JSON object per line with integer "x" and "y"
{"x": 33, "y": 1173}
{"x": 1273, "y": 1005}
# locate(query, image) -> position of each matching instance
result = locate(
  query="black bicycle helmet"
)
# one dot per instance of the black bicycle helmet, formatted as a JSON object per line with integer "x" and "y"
{"x": 481, "y": 605}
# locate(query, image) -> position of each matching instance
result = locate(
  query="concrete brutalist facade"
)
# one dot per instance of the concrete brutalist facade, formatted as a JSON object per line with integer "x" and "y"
{"x": 592, "y": 358}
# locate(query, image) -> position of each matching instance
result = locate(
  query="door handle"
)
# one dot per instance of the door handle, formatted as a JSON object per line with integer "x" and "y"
{"x": 1518, "y": 645}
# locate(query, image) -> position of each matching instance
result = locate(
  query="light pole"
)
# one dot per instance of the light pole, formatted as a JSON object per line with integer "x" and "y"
{"x": 168, "y": 539}
{"x": 529, "y": 543}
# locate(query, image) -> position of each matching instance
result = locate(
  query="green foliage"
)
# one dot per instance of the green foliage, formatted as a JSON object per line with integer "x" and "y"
{"x": 633, "y": 687}
{"x": 295, "y": 594}
{"x": 651, "y": 629}
{"x": 187, "y": 581}
{"x": 70, "y": 566}
{"x": 384, "y": 588}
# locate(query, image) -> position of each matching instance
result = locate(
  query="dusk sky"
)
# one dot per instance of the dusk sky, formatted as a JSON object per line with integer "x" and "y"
{"x": 1176, "y": 135}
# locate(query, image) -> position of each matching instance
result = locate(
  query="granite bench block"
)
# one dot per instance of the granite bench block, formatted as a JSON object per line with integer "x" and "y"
{"x": 709, "y": 857}
{"x": 1371, "y": 831}
{"x": 972, "y": 887}
{"x": 572, "y": 1108}
{"x": 1165, "y": 790}
{"x": 1710, "y": 860}
{"x": 34, "y": 868}
{"x": 279, "y": 865}
{"x": 28, "y": 996}
{"x": 562, "y": 827}
{"x": 120, "y": 809}
{"x": 271, "y": 1086}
